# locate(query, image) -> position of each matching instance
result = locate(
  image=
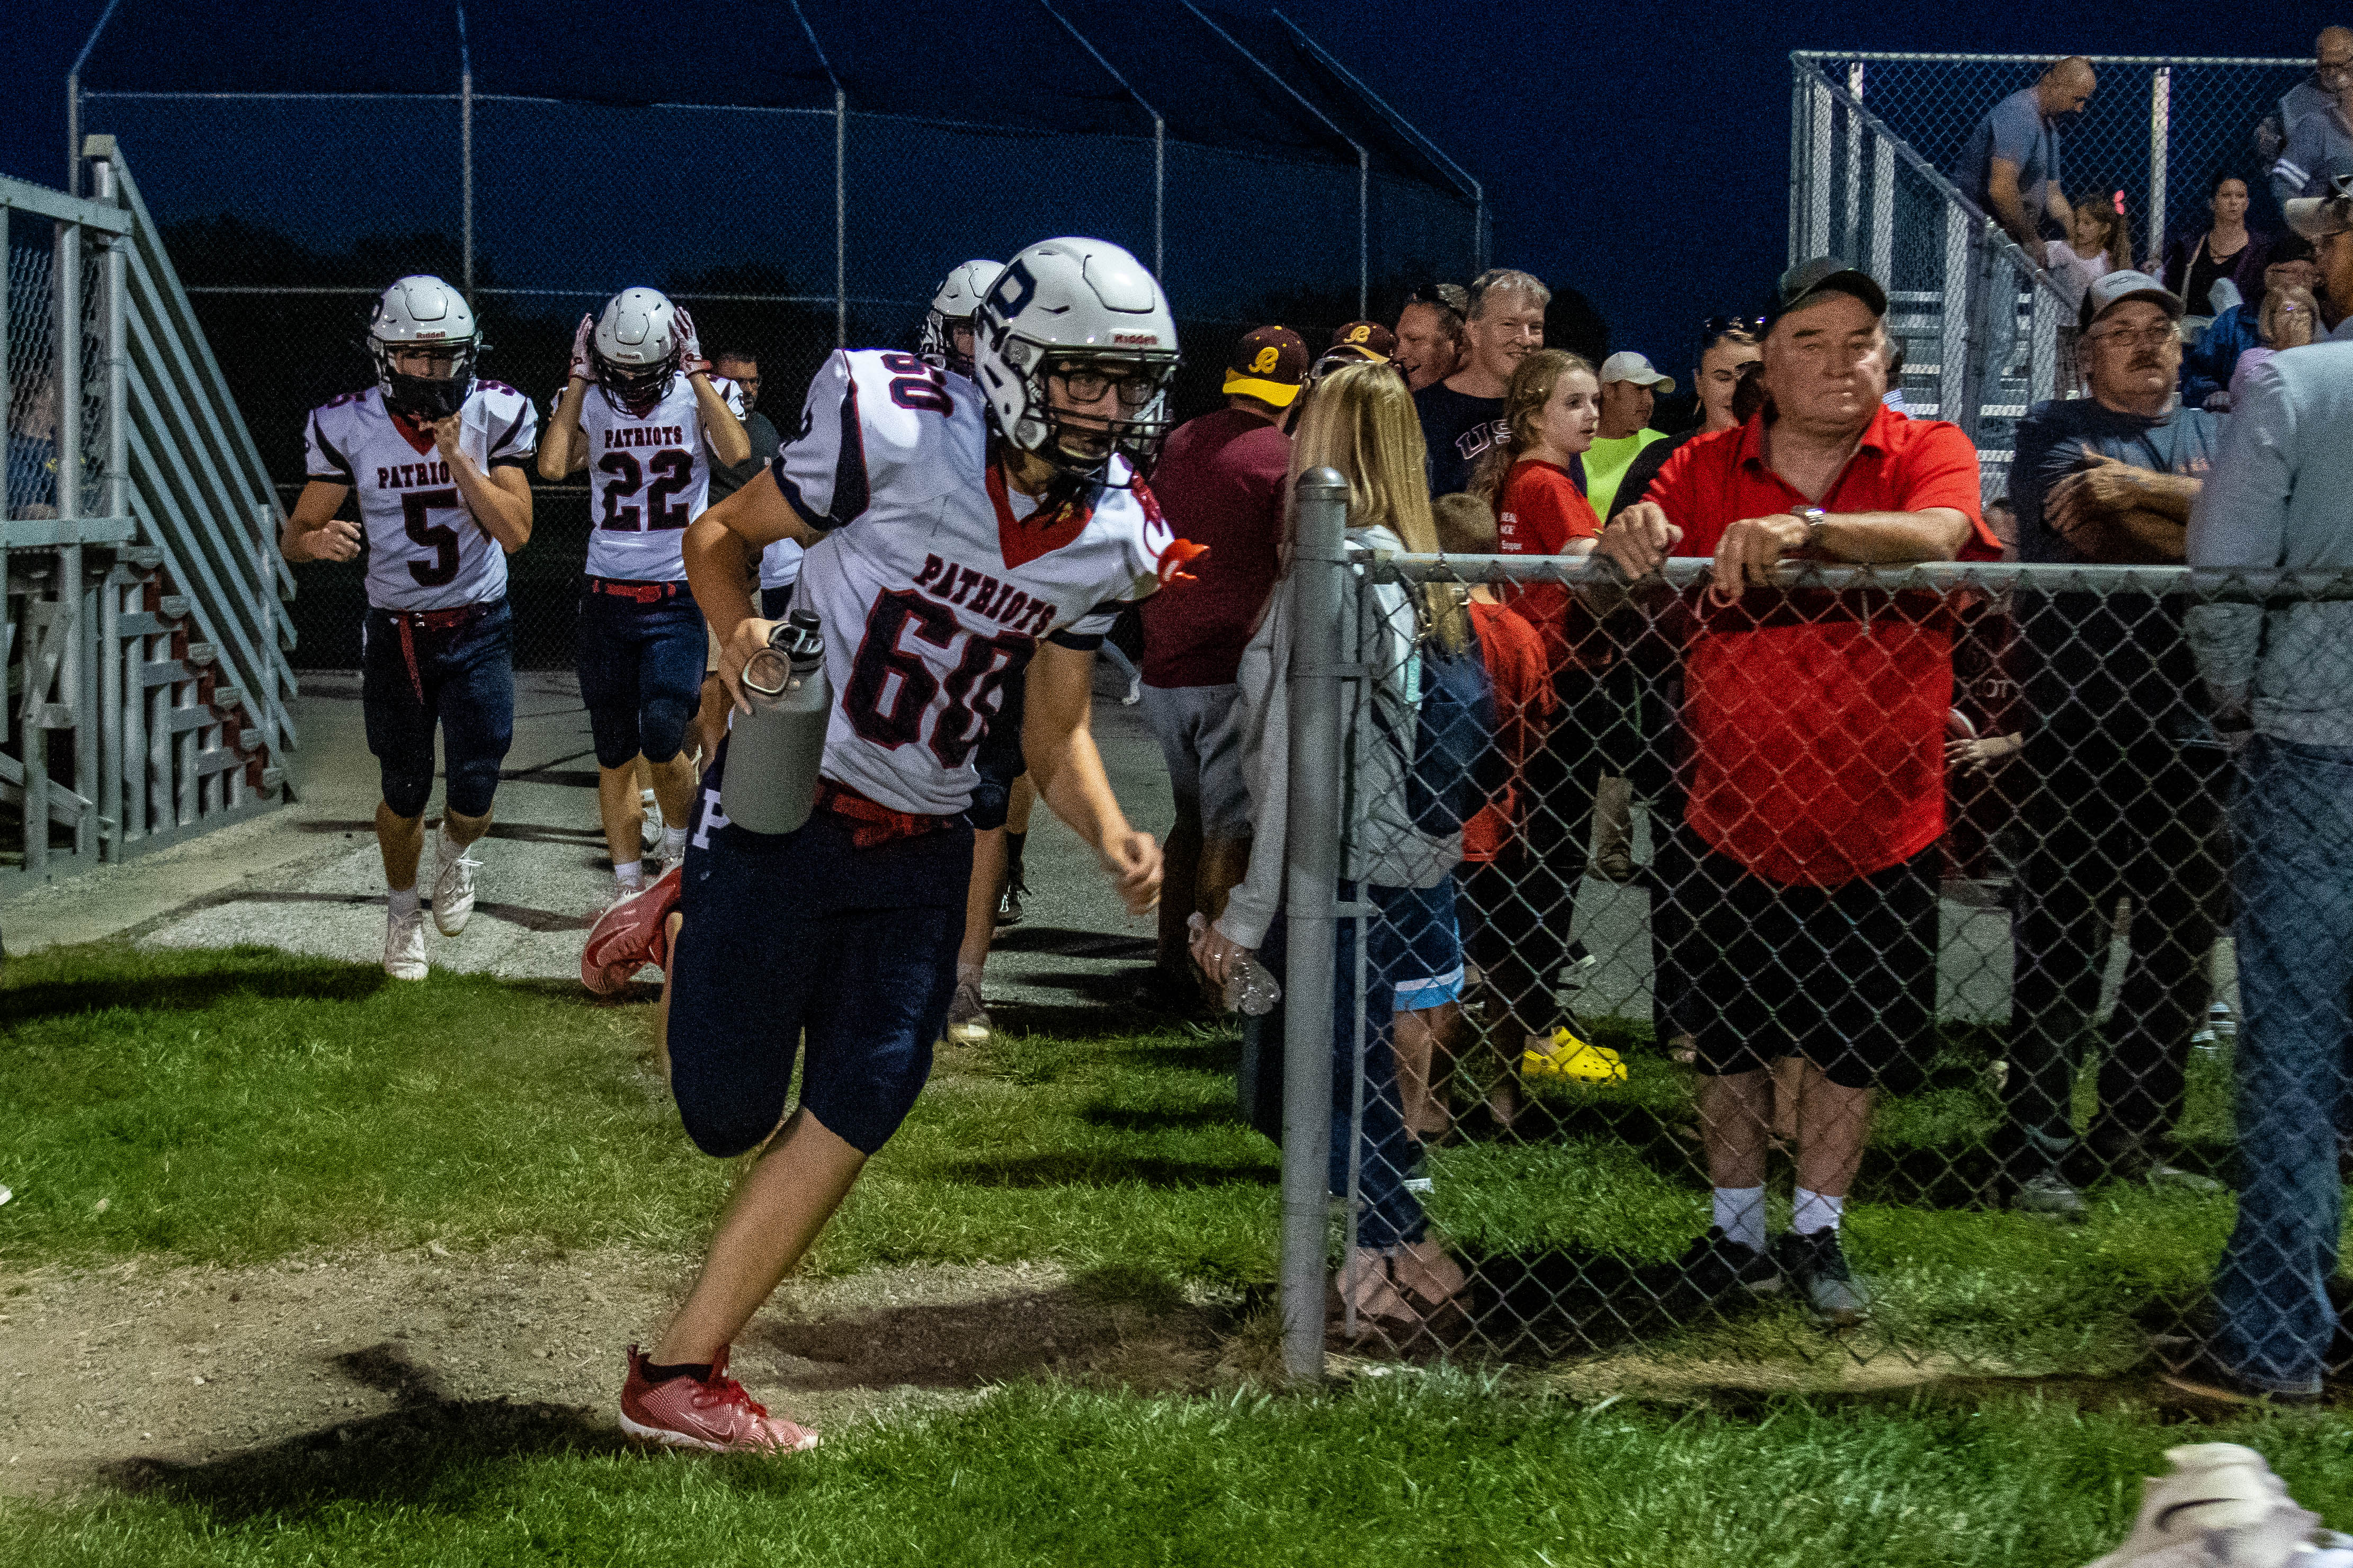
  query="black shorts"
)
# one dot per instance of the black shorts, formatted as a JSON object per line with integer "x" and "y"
{"x": 1843, "y": 976}
{"x": 803, "y": 946}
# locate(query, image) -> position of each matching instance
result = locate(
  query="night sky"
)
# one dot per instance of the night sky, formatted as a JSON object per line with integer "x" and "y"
{"x": 1639, "y": 152}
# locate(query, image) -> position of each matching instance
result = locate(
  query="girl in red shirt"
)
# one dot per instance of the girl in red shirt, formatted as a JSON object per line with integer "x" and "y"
{"x": 1552, "y": 408}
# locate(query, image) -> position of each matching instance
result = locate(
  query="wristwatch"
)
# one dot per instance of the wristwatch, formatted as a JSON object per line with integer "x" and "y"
{"x": 1813, "y": 517}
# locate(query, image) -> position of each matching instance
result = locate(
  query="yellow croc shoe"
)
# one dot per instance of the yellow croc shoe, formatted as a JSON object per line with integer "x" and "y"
{"x": 1566, "y": 1055}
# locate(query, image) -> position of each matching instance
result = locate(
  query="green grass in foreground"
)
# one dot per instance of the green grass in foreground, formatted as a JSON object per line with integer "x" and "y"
{"x": 238, "y": 1105}
{"x": 1438, "y": 1469}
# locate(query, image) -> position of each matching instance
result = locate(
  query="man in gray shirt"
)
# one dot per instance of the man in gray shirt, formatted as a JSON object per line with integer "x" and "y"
{"x": 2009, "y": 167}
{"x": 2281, "y": 677}
{"x": 2332, "y": 59}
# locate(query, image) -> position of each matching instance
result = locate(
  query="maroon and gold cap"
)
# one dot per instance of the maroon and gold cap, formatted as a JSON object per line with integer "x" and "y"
{"x": 1270, "y": 365}
{"x": 1366, "y": 340}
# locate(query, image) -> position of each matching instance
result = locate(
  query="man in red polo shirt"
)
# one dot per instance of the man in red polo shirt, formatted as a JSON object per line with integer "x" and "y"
{"x": 1815, "y": 722}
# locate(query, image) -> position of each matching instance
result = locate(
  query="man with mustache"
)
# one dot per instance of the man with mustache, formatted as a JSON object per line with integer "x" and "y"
{"x": 2129, "y": 775}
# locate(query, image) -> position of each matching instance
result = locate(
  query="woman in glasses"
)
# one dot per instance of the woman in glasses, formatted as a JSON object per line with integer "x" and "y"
{"x": 1727, "y": 346}
{"x": 2290, "y": 320}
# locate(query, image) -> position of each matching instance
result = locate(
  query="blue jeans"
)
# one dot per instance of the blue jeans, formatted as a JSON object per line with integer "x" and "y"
{"x": 2293, "y": 816}
{"x": 1387, "y": 1216}
{"x": 458, "y": 680}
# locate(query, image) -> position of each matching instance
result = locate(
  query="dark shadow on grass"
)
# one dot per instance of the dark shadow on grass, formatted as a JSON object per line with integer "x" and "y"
{"x": 1115, "y": 1327}
{"x": 1561, "y": 1301}
{"x": 271, "y": 975}
{"x": 428, "y": 1451}
{"x": 1109, "y": 1169}
{"x": 1135, "y": 1119}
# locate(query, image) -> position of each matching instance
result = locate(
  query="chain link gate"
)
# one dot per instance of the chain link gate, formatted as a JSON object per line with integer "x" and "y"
{"x": 2044, "y": 987}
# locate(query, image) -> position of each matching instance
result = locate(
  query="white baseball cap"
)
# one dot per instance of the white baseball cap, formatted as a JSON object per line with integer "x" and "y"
{"x": 1628, "y": 365}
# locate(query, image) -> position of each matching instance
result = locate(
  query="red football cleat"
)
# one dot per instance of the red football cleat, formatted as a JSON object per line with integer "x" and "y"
{"x": 717, "y": 1417}
{"x": 632, "y": 933}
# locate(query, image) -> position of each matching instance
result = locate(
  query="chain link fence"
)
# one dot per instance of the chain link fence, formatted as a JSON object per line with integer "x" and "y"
{"x": 1909, "y": 886}
{"x": 1238, "y": 161}
{"x": 2158, "y": 130}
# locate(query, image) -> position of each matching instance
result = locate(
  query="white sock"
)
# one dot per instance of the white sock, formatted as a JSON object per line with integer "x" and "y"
{"x": 1817, "y": 1211}
{"x": 968, "y": 972}
{"x": 447, "y": 848}
{"x": 631, "y": 873}
{"x": 1740, "y": 1214}
{"x": 673, "y": 844}
{"x": 402, "y": 901}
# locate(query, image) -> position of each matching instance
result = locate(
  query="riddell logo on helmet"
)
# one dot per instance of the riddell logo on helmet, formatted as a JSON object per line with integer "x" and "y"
{"x": 1137, "y": 339}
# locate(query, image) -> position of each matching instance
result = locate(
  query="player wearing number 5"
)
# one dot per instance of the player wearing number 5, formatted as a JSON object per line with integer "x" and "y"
{"x": 437, "y": 458}
{"x": 960, "y": 533}
{"x": 647, "y": 438}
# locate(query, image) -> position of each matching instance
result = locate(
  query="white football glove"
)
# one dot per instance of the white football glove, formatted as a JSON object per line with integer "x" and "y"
{"x": 689, "y": 347}
{"x": 584, "y": 343}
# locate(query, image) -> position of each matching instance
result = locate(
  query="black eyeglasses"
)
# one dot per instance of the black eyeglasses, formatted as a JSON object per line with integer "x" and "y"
{"x": 1715, "y": 327}
{"x": 1433, "y": 294}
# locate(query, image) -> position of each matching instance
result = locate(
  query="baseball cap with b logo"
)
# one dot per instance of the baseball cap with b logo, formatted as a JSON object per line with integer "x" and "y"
{"x": 1364, "y": 339}
{"x": 1270, "y": 365}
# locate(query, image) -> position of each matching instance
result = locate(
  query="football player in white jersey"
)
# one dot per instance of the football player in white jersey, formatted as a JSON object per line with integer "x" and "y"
{"x": 960, "y": 535}
{"x": 642, "y": 415}
{"x": 437, "y": 456}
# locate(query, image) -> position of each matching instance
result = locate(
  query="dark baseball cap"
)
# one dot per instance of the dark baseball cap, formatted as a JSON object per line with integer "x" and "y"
{"x": 2107, "y": 293}
{"x": 1366, "y": 340}
{"x": 1270, "y": 365}
{"x": 1808, "y": 282}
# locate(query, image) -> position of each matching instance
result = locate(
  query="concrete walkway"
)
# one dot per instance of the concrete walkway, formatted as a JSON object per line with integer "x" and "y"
{"x": 307, "y": 879}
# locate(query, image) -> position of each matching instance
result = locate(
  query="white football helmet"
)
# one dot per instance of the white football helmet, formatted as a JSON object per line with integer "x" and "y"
{"x": 637, "y": 348}
{"x": 1084, "y": 305}
{"x": 422, "y": 311}
{"x": 953, "y": 306}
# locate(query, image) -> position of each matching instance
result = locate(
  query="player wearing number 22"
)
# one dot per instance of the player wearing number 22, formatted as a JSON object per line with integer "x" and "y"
{"x": 960, "y": 535}
{"x": 437, "y": 458}
{"x": 641, "y": 413}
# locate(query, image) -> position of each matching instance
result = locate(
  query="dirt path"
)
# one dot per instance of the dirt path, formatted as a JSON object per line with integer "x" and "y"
{"x": 134, "y": 1373}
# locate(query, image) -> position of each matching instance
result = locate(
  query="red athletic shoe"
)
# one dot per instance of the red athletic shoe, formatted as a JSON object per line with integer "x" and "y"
{"x": 717, "y": 1416}
{"x": 632, "y": 933}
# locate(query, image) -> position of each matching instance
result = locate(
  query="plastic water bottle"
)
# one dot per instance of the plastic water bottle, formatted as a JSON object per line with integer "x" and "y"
{"x": 773, "y": 752}
{"x": 1251, "y": 990}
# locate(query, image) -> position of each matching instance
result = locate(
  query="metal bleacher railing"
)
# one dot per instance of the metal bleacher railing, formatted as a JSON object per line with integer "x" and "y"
{"x": 1874, "y": 139}
{"x": 144, "y": 648}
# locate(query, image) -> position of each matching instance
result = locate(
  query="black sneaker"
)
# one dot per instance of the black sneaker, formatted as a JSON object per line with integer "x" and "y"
{"x": 1715, "y": 1267}
{"x": 1816, "y": 1268}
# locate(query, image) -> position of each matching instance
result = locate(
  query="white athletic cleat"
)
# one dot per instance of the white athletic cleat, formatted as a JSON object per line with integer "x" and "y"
{"x": 650, "y": 836}
{"x": 404, "y": 944}
{"x": 453, "y": 892}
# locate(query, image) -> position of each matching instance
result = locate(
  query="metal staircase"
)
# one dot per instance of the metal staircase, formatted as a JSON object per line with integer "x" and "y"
{"x": 1983, "y": 328}
{"x": 145, "y": 655}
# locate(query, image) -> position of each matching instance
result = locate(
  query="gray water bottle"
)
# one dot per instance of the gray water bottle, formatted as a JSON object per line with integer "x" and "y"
{"x": 774, "y": 751}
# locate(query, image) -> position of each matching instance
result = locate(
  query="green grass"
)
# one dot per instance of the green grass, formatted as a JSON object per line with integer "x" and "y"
{"x": 243, "y": 1105}
{"x": 229, "y": 1107}
{"x": 1417, "y": 1469}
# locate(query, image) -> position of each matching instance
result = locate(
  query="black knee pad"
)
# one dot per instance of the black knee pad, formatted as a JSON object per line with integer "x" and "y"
{"x": 662, "y": 726}
{"x": 406, "y": 790}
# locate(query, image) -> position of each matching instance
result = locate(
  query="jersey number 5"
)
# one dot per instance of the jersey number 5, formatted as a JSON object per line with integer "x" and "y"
{"x": 662, "y": 506}
{"x": 414, "y": 506}
{"x": 972, "y": 685}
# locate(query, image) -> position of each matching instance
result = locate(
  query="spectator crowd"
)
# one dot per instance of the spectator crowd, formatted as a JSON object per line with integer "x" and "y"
{"x": 1812, "y": 759}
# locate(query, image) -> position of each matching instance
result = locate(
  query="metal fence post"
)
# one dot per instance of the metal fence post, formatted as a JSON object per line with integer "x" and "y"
{"x": 1311, "y": 873}
{"x": 1848, "y": 244}
{"x": 2160, "y": 134}
{"x": 841, "y": 220}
